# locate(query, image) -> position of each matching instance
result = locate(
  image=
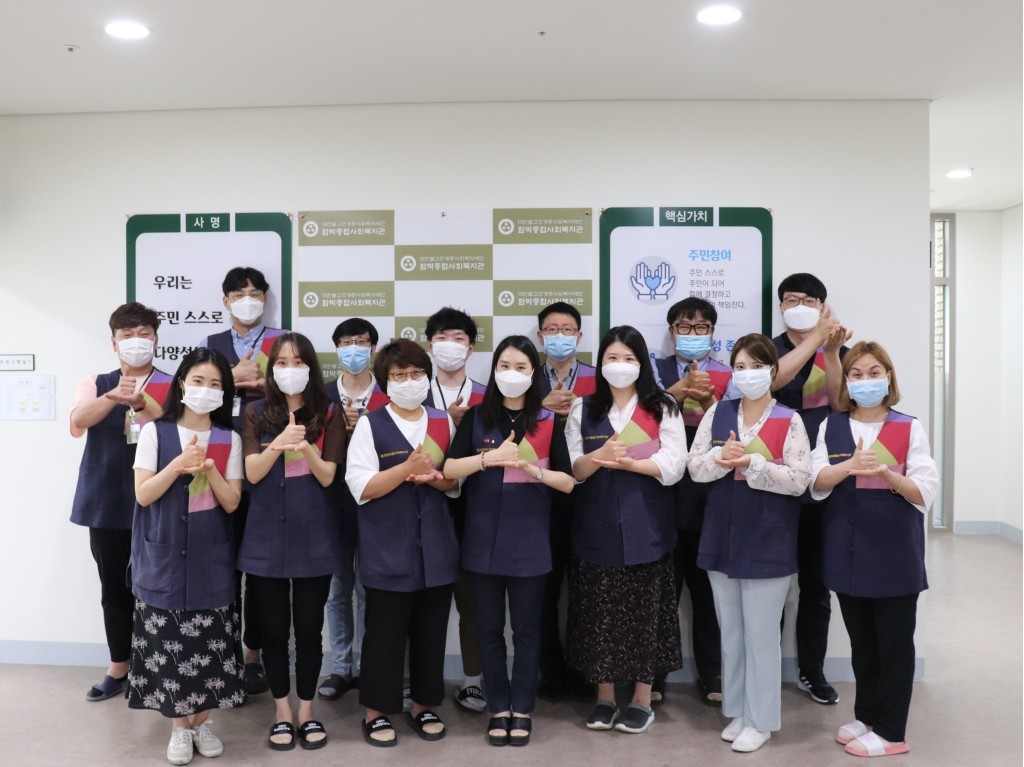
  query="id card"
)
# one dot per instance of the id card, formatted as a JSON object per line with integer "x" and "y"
{"x": 134, "y": 430}
{"x": 236, "y": 406}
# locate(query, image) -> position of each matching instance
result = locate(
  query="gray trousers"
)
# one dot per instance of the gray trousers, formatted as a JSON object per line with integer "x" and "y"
{"x": 749, "y": 611}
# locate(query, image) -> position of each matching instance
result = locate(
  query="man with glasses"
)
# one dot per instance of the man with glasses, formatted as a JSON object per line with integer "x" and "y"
{"x": 696, "y": 381}
{"x": 809, "y": 380}
{"x": 246, "y": 344}
{"x": 562, "y": 379}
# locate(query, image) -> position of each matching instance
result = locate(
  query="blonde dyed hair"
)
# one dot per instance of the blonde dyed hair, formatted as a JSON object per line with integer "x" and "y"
{"x": 877, "y": 351}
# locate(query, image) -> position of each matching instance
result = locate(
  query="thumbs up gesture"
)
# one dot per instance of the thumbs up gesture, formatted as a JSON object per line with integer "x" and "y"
{"x": 292, "y": 438}
{"x": 456, "y": 411}
{"x": 559, "y": 400}
{"x": 864, "y": 463}
{"x": 247, "y": 372}
{"x": 612, "y": 454}
{"x": 732, "y": 453}
{"x": 419, "y": 464}
{"x": 507, "y": 454}
{"x": 192, "y": 459}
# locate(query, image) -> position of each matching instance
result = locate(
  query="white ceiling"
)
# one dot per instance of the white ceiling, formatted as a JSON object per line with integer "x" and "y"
{"x": 964, "y": 55}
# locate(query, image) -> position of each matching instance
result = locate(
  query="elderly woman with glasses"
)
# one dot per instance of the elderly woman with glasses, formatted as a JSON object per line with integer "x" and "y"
{"x": 408, "y": 552}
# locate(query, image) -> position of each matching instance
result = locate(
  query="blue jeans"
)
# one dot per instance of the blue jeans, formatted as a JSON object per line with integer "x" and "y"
{"x": 346, "y": 628}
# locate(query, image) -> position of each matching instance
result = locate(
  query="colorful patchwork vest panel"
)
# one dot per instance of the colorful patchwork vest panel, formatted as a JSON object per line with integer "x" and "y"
{"x": 770, "y": 440}
{"x": 873, "y": 540}
{"x": 200, "y": 494}
{"x": 155, "y": 392}
{"x": 295, "y": 463}
{"x": 438, "y": 438}
{"x": 815, "y": 389}
{"x": 534, "y": 448}
{"x": 583, "y": 385}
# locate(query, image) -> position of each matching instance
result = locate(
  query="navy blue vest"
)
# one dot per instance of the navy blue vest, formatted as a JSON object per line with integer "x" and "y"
{"x": 792, "y": 396}
{"x": 873, "y": 539}
{"x": 747, "y": 533}
{"x": 105, "y": 496}
{"x": 293, "y": 529}
{"x": 181, "y": 560}
{"x": 621, "y": 518}
{"x": 406, "y": 538}
{"x": 507, "y": 529}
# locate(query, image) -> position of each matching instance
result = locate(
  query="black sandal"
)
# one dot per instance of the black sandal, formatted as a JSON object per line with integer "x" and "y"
{"x": 520, "y": 723}
{"x": 427, "y": 717}
{"x": 309, "y": 728}
{"x": 498, "y": 723}
{"x": 378, "y": 724}
{"x": 282, "y": 728}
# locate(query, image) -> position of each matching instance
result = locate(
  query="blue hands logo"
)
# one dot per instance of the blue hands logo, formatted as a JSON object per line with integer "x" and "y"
{"x": 653, "y": 281}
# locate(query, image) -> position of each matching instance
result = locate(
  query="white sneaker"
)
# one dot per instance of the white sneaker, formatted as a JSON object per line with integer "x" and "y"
{"x": 206, "y": 743}
{"x": 179, "y": 750}
{"x": 734, "y": 729}
{"x": 750, "y": 740}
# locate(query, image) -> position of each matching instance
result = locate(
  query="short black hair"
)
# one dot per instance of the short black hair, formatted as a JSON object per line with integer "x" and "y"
{"x": 805, "y": 283}
{"x": 400, "y": 353}
{"x": 451, "y": 319}
{"x": 559, "y": 307}
{"x": 132, "y": 315}
{"x": 355, "y": 326}
{"x": 174, "y": 407}
{"x": 689, "y": 308}
{"x": 241, "y": 276}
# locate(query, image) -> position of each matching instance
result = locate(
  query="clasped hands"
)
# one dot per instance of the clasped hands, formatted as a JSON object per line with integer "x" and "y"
{"x": 864, "y": 463}
{"x": 506, "y": 455}
{"x": 695, "y": 385}
{"x": 292, "y": 438}
{"x": 732, "y": 454}
{"x": 247, "y": 373}
{"x": 193, "y": 459}
{"x": 612, "y": 454}
{"x": 124, "y": 393}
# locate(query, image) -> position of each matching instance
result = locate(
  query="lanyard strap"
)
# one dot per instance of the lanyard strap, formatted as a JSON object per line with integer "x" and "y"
{"x": 440, "y": 393}
{"x": 256, "y": 341}
{"x": 142, "y": 389}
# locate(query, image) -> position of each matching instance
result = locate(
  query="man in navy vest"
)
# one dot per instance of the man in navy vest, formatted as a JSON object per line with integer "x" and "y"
{"x": 809, "y": 380}
{"x": 109, "y": 410}
{"x": 245, "y": 345}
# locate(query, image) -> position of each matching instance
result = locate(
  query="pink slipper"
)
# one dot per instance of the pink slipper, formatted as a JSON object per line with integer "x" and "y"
{"x": 856, "y": 728}
{"x": 875, "y": 747}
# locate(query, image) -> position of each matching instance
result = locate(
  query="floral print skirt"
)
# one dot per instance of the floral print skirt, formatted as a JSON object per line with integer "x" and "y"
{"x": 186, "y": 661}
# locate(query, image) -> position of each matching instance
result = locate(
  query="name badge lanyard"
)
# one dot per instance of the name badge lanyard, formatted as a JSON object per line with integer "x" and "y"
{"x": 440, "y": 394}
{"x": 236, "y": 403}
{"x": 134, "y": 429}
{"x": 571, "y": 378}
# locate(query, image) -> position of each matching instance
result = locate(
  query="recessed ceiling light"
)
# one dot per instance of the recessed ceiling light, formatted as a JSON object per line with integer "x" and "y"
{"x": 128, "y": 30}
{"x": 719, "y": 14}
{"x": 959, "y": 174}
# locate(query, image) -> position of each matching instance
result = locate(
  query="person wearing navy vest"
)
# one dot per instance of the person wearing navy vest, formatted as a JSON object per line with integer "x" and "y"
{"x": 748, "y": 542}
{"x": 873, "y": 468}
{"x": 563, "y": 378}
{"x": 294, "y": 441}
{"x": 451, "y": 334}
{"x": 696, "y": 381}
{"x": 506, "y": 550}
{"x": 187, "y": 645}
{"x": 627, "y": 446}
{"x": 109, "y": 410}
{"x": 408, "y": 551}
{"x": 355, "y": 391}
{"x": 809, "y": 380}
{"x": 245, "y": 345}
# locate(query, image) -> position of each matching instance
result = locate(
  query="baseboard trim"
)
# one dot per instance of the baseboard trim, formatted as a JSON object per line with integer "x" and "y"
{"x": 1010, "y": 532}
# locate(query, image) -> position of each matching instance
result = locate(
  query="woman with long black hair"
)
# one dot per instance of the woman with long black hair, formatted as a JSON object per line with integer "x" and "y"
{"x": 186, "y": 656}
{"x": 628, "y": 445}
{"x": 506, "y": 548}
{"x": 293, "y": 442}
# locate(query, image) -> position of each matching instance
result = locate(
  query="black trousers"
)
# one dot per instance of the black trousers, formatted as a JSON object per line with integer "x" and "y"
{"x": 395, "y": 619}
{"x": 814, "y": 608}
{"x": 525, "y": 598}
{"x": 882, "y": 643}
{"x": 552, "y": 655}
{"x": 284, "y": 604}
{"x": 251, "y": 637}
{"x": 707, "y": 638}
{"x": 112, "y": 550}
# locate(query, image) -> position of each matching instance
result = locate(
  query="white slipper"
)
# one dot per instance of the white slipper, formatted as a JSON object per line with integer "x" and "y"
{"x": 851, "y": 731}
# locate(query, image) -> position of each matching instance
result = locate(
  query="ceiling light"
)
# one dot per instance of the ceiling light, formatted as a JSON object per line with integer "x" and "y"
{"x": 719, "y": 14}
{"x": 129, "y": 30}
{"x": 959, "y": 174}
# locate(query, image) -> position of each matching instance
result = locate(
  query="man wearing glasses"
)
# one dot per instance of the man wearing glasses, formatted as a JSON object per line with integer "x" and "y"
{"x": 564, "y": 378}
{"x": 809, "y": 379}
{"x": 246, "y": 344}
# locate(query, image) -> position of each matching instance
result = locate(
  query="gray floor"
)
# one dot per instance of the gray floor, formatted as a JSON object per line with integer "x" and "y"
{"x": 968, "y": 711}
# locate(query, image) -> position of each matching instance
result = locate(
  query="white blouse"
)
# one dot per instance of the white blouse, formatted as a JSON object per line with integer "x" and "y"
{"x": 920, "y": 465}
{"x": 791, "y": 477}
{"x": 362, "y": 461}
{"x": 146, "y": 454}
{"x": 671, "y": 457}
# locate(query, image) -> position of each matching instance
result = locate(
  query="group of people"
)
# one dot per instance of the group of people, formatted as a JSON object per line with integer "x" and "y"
{"x": 232, "y": 502}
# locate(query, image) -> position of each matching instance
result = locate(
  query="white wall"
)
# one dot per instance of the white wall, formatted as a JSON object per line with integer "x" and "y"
{"x": 1012, "y": 311}
{"x": 847, "y": 182}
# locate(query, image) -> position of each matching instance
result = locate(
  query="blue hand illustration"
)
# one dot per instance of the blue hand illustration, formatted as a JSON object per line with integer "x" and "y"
{"x": 652, "y": 285}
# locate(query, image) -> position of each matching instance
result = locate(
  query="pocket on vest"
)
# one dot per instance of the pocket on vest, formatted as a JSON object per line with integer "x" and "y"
{"x": 324, "y": 533}
{"x": 776, "y": 544}
{"x": 384, "y": 553}
{"x": 156, "y": 575}
{"x": 219, "y": 568}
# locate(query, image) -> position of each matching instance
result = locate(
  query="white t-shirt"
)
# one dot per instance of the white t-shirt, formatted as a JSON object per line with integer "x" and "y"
{"x": 445, "y": 396}
{"x": 146, "y": 454}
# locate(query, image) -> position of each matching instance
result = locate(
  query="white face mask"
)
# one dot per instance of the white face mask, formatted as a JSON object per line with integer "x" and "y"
{"x": 248, "y": 310}
{"x": 620, "y": 374}
{"x": 753, "y": 383}
{"x": 202, "y": 400}
{"x": 135, "y": 352}
{"x": 801, "y": 318}
{"x": 410, "y": 394}
{"x": 449, "y": 355}
{"x": 291, "y": 380}
{"x": 512, "y": 383}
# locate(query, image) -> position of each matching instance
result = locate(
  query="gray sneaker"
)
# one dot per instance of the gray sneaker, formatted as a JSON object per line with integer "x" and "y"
{"x": 206, "y": 743}
{"x": 179, "y": 750}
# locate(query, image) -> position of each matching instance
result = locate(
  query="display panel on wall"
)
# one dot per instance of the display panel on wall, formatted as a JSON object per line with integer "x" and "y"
{"x": 397, "y": 267}
{"x": 653, "y": 257}
{"x": 177, "y": 262}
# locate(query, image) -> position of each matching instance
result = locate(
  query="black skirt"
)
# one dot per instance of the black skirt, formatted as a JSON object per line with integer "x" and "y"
{"x": 186, "y": 661}
{"x": 623, "y": 621}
